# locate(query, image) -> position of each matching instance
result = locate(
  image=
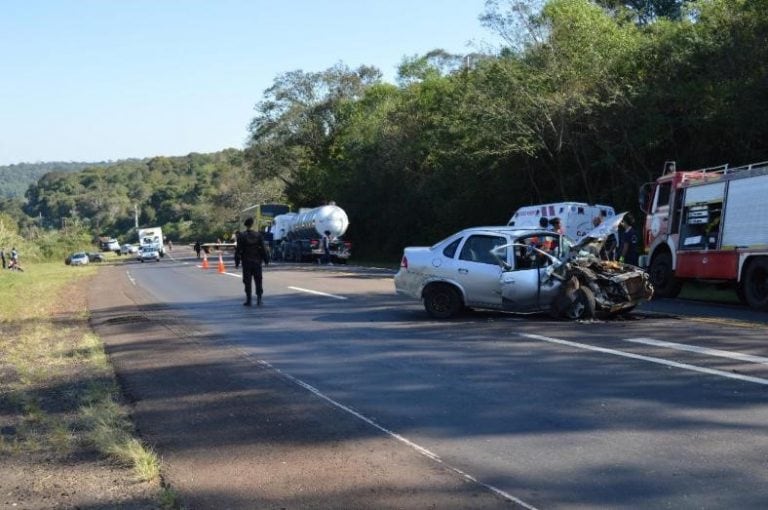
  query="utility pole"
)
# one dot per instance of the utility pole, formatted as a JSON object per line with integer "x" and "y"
{"x": 136, "y": 216}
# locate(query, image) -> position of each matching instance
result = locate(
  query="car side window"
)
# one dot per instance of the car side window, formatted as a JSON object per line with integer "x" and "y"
{"x": 450, "y": 250}
{"x": 478, "y": 248}
{"x": 528, "y": 258}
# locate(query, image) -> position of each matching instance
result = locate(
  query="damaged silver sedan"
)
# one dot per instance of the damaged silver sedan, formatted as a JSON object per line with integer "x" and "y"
{"x": 524, "y": 271}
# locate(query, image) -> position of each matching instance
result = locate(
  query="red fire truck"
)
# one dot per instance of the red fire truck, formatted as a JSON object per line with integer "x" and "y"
{"x": 708, "y": 225}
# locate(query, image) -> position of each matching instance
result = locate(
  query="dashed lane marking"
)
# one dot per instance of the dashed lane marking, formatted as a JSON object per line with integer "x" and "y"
{"x": 317, "y": 292}
{"x": 660, "y": 361}
{"x": 701, "y": 350}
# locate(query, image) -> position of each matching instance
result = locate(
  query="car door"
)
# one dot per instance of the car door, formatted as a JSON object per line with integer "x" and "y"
{"x": 478, "y": 270}
{"x": 527, "y": 286}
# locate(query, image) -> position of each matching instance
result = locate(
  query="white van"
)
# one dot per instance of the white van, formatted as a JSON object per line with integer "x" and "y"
{"x": 575, "y": 217}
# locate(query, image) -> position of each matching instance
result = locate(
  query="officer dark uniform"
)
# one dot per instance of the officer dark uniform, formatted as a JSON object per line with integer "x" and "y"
{"x": 252, "y": 252}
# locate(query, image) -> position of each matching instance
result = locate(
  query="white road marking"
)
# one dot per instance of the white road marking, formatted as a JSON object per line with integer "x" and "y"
{"x": 310, "y": 291}
{"x": 131, "y": 278}
{"x": 233, "y": 274}
{"x": 701, "y": 350}
{"x": 427, "y": 453}
{"x": 660, "y": 361}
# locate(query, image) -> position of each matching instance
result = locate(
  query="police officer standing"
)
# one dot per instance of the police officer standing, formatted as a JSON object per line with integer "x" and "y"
{"x": 252, "y": 251}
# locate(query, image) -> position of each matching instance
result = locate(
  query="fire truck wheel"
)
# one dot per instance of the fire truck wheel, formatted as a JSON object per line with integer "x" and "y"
{"x": 662, "y": 277}
{"x": 741, "y": 292}
{"x": 756, "y": 284}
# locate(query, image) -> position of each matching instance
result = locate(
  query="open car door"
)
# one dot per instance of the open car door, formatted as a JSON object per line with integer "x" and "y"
{"x": 527, "y": 285}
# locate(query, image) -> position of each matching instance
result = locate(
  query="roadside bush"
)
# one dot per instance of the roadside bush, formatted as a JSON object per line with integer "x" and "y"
{"x": 55, "y": 245}
{"x": 10, "y": 238}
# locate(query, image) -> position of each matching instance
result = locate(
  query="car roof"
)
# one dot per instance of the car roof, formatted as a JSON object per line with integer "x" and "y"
{"x": 505, "y": 229}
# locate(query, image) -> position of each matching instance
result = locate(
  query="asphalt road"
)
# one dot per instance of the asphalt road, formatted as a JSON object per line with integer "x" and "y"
{"x": 665, "y": 409}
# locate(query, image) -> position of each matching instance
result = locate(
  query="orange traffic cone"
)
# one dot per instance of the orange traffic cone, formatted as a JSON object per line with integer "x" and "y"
{"x": 221, "y": 263}
{"x": 205, "y": 261}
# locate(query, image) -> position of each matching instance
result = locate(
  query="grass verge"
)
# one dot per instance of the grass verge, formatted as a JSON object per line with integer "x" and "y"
{"x": 56, "y": 382}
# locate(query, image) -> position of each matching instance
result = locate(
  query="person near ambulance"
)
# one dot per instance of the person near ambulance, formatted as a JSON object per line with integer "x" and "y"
{"x": 252, "y": 252}
{"x": 555, "y": 226}
{"x": 629, "y": 240}
{"x": 545, "y": 243}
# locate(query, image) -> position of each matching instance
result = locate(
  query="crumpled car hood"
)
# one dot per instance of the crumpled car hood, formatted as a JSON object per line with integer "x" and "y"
{"x": 595, "y": 238}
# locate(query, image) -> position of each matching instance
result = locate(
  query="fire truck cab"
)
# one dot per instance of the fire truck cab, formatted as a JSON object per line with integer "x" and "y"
{"x": 708, "y": 225}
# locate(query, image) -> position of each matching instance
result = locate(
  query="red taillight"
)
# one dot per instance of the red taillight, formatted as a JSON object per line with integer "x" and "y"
{"x": 314, "y": 243}
{"x": 404, "y": 262}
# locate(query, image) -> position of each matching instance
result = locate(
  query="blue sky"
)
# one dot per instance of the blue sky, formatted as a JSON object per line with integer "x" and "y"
{"x": 95, "y": 80}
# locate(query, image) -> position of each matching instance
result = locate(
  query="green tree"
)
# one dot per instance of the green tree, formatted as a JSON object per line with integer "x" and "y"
{"x": 295, "y": 125}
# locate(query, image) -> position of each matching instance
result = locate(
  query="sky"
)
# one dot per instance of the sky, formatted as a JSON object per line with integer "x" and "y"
{"x": 100, "y": 80}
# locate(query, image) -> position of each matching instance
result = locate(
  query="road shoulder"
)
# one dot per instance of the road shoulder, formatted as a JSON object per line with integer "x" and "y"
{"x": 233, "y": 433}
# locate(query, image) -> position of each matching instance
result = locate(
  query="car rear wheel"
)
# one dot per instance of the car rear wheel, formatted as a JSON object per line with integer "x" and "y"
{"x": 442, "y": 301}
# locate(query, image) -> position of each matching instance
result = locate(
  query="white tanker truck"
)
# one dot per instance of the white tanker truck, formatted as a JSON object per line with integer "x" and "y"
{"x": 297, "y": 236}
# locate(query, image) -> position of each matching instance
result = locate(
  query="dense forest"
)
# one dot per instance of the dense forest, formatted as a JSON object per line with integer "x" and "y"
{"x": 196, "y": 196}
{"x": 585, "y": 101}
{"x": 15, "y": 179}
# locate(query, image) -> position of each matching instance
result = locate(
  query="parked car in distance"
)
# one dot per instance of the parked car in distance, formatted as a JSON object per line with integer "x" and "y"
{"x": 520, "y": 270}
{"x": 128, "y": 249}
{"x": 148, "y": 253}
{"x": 110, "y": 244}
{"x": 78, "y": 259}
{"x": 96, "y": 257}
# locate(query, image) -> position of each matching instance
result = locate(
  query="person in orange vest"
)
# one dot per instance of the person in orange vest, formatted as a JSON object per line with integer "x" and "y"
{"x": 544, "y": 243}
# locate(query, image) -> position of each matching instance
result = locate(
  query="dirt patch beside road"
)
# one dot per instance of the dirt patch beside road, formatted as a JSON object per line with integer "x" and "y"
{"x": 233, "y": 433}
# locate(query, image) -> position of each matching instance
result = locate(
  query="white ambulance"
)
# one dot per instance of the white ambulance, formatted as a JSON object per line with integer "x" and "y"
{"x": 575, "y": 217}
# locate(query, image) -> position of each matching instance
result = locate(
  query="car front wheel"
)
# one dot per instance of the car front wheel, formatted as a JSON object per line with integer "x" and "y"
{"x": 583, "y": 306}
{"x": 442, "y": 301}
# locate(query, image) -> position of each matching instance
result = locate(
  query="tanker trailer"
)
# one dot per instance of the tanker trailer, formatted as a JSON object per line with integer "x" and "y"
{"x": 304, "y": 234}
